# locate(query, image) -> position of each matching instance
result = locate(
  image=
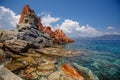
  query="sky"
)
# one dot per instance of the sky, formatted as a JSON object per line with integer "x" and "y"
{"x": 81, "y": 18}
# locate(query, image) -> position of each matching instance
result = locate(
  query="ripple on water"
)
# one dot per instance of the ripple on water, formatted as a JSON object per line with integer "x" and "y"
{"x": 105, "y": 65}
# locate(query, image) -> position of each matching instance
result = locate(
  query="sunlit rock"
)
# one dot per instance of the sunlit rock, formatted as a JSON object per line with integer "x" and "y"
{"x": 68, "y": 69}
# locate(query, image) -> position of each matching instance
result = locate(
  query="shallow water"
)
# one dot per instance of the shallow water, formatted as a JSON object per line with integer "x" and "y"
{"x": 100, "y": 56}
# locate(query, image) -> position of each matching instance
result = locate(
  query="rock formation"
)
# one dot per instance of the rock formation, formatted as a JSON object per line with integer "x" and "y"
{"x": 27, "y": 54}
{"x": 29, "y": 30}
{"x": 57, "y": 36}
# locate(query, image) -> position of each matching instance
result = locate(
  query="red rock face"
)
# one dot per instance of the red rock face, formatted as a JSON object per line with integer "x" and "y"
{"x": 25, "y": 11}
{"x": 58, "y": 36}
{"x": 68, "y": 69}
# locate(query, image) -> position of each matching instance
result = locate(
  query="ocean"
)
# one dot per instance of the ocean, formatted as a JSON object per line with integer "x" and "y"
{"x": 102, "y": 57}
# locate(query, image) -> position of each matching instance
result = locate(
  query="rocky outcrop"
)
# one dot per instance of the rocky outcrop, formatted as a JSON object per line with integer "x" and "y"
{"x": 68, "y": 69}
{"x": 28, "y": 16}
{"x": 60, "y": 37}
{"x": 29, "y": 30}
{"x": 6, "y": 74}
{"x": 18, "y": 46}
{"x": 7, "y": 35}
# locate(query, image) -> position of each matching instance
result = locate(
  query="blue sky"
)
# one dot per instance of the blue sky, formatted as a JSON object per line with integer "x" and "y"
{"x": 85, "y": 16}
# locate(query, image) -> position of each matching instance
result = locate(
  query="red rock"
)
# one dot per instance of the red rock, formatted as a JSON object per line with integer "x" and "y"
{"x": 40, "y": 26}
{"x": 58, "y": 36}
{"x": 25, "y": 11}
{"x": 68, "y": 69}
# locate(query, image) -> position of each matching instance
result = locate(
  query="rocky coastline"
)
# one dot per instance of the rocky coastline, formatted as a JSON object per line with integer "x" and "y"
{"x": 30, "y": 52}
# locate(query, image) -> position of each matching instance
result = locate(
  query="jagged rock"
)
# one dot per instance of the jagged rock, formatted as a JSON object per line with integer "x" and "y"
{"x": 68, "y": 69}
{"x": 7, "y": 35}
{"x": 28, "y": 17}
{"x": 14, "y": 66}
{"x": 16, "y": 46}
{"x": 25, "y": 11}
{"x": 28, "y": 60}
{"x": 60, "y": 37}
{"x": 33, "y": 35}
{"x": 29, "y": 31}
{"x": 5, "y": 74}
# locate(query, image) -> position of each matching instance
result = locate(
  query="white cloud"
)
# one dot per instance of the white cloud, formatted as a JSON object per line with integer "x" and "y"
{"x": 110, "y": 28}
{"x": 72, "y": 28}
{"x": 47, "y": 19}
{"x": 8, "y": 18}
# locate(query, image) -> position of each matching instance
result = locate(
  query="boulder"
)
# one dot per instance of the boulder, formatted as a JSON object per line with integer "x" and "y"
{"x": 31, "y": 34}
{"x": 17, "y": 46}
{"x": 6, "y": 74}
{"x": 7, "y": 35}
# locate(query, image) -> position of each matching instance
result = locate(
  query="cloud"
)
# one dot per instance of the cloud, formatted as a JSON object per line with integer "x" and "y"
{"x": 73, "y": 28}
{"x": 110, "y": 28}
{"x": 8, "y": 18}
{"x": 47, "y": 19}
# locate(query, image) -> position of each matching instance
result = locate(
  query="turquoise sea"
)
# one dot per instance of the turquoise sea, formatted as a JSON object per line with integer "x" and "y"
{"x": 102, "y": 57}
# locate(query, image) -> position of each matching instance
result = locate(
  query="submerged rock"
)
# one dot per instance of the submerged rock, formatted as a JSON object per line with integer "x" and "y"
{"x": 57, "y": 52}
{"x": 85, "y": 72}
{"x": 68, "y": 69}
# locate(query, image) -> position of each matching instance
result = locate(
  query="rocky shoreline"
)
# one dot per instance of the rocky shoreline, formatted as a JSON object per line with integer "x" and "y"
{"x": 30, "y": 53}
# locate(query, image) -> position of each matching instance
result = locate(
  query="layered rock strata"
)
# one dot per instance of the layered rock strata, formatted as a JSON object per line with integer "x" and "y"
{"x": 28, "y": 16}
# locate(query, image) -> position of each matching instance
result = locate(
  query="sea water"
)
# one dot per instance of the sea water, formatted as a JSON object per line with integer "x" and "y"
{"x": 102, "y": 57}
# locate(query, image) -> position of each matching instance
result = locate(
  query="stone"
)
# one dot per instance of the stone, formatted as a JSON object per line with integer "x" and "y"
{"x": 46, "y": 66}
{"x": 85, "y": 72}
{"x": 7, "y": 35}
{"x": 16, "y": 46}
{"x": 29, "y": 69}
{"x": 25, "y": 11}
{"x": 29, "y": 19}
{"x": 55, "y": 76}
{"x": 1, "y": 45}
{"x": 57, "y": 52}
{"x": 6, "y": 74}
{"x": 43, "y": 78}
{"x": 60, "y": 37}
{"x": 14, "y": 66}
{"x": 43, "y": 72}
{"x": 68, "y": 69}
{"x": 31, "y": 76}
{"x": 28, "y": 29}
{"x": 2, "y": 56}
{"x": 59, "y": 75}
{"x": 28, "y": 60}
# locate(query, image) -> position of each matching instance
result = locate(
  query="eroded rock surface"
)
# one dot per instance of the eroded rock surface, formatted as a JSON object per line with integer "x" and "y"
{"x": 28, "y": 17}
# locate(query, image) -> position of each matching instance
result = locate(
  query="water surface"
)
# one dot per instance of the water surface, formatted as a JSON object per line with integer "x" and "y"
{"x": 100, "y": 56}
